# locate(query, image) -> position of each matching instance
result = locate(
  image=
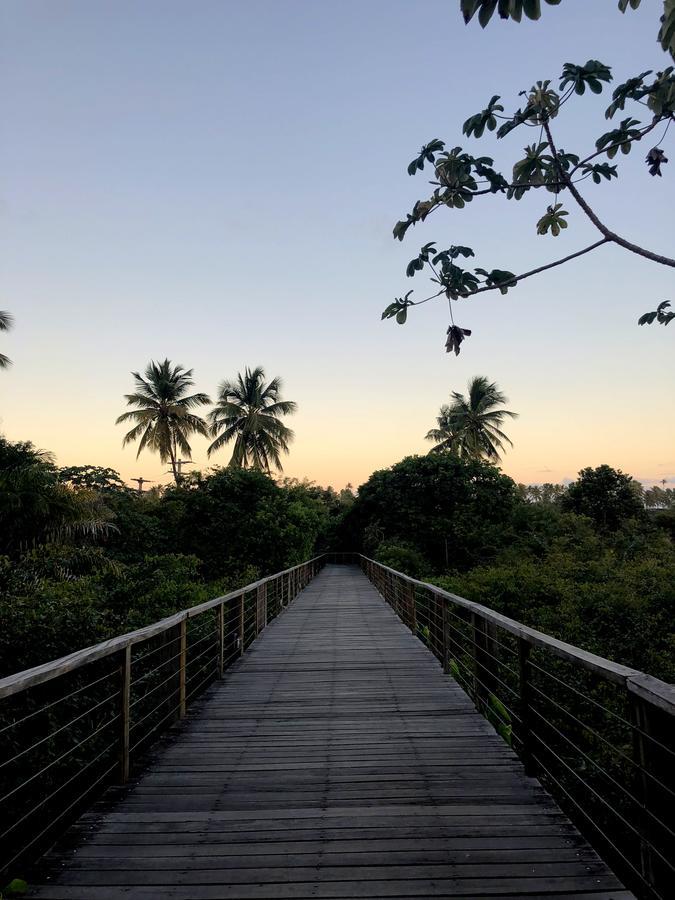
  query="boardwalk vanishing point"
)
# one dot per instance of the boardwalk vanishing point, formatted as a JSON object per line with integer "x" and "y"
{"x": 334, "y": 760}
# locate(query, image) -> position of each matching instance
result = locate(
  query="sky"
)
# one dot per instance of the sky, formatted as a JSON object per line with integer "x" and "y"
{"x": 216, "y": 183}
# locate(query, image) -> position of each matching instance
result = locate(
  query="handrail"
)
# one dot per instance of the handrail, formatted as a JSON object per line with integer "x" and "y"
{"x": 646, "y": 686}
{"x": 19, "y": 681}
{"x": 599, "y": 735}
{"x": 73, "y": 725}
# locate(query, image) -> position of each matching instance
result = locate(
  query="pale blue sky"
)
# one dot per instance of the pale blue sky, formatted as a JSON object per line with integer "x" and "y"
{"x": 217, "y": 181}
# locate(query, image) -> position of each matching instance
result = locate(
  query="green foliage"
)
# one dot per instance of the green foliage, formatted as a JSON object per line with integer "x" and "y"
{"x": 239, "y": 514}
{"x": 552, "y": 220}
{"x": 401, "y": 557}
{"x": 459, "y": 177}
{"x": 498, "y": 716}
{"x": 477, "y": 124}
{"x": 97, "y": 478}
{"x": 472, "y": 426}
{"x": 162, "y": 410}
{"x": 589, "y": 592}
{"x": 605, "y": 495}
{"x": 506, "y": 8}
{"x": 249, "y": 412}
{"x": 450, "y": 511}
{"x": 589, "y": 76}
{"x": 65, "y": 584}
{"x": 515, "y": 9}
{"x": 36, "y": 508}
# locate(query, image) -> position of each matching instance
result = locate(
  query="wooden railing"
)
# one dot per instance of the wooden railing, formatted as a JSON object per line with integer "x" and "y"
{"x": 72, "y": 726}
{"x": 600, "y": 736}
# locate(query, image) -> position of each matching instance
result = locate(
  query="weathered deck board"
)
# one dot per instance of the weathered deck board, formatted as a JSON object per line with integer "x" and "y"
{"x": 334, "y": 760}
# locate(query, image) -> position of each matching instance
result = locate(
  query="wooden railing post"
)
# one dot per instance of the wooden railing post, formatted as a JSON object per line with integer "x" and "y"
{"x": 182, "y": 670}
{"x": 445, "y": 617}
{"x": 125, "y": 713}
{"x": 260, "y": 608}
{"x": 483, "y": 662}
{"x": 524, "y": 700}
{"x": 220, "y": 637}
{"x": 241, "y": 625}
{"x": 640, "y": 720}
{"x": 413, "y": 608}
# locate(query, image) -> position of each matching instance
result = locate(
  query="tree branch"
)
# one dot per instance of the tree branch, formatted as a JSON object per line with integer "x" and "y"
{"x": 611, "y": 146}
{"x": 518, "y": 278}
{"x": 602, "y": 228}
{"x": 552, "y": 265}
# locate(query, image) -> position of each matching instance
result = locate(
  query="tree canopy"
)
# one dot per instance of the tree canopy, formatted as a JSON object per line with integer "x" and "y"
{"x": 605, "y": 495}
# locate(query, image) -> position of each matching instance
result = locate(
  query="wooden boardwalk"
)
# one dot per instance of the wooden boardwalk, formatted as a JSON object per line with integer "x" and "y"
{"x": 334, "y": 760}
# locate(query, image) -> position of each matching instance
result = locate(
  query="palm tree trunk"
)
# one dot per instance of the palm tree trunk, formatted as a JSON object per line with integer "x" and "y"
{"x": 172, "y": 456}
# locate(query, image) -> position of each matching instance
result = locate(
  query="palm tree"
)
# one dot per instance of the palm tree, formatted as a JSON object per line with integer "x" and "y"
{"x": 472, "y": 427}
{"x": 6, "y": 322}
{"x": 249, "y": 411}
{"x": 163, "y": 416}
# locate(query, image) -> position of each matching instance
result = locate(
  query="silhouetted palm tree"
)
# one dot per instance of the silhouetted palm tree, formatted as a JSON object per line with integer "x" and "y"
{"x": 248, "y": 411}
{"x": 163, "y": 414}
{"x": 6, "y": 323}
{"x": 472, "y": 426}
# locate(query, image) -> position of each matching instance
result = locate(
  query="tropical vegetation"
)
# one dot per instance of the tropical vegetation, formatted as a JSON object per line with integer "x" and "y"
{"x": 585, "y": 562}
{"x": 471, "y": 426}
{"x": 163, "y": 412}
{"x": 6, "y": 322}
{"x": 248, "y": 412}
{"x": 83, "y": 557}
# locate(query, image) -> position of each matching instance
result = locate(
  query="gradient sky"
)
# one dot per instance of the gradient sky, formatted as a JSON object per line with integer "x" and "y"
{"x": 216, "y": 182}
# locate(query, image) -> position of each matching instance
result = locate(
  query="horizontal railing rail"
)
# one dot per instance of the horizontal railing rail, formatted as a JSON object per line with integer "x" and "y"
{"x": 599, "y": 735}
{"x": 70, "y": 727}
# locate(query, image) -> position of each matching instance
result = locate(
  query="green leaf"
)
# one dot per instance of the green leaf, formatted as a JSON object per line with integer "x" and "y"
{"x": 622, "y": 137}
{"x": 512, "y": 9}
{"x": 552, "y": 220}
{"x": 401, "y": 316}
{"x": 16, "y": 887}
{"x": 499, "y": 278}
{"x": 426, "y": 154}
{"x": 477, "y": 124}
{"x": 590, "y": 75}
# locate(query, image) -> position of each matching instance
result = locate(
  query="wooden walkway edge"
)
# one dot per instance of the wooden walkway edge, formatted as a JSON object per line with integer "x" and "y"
{"x": 334, "y": 760}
